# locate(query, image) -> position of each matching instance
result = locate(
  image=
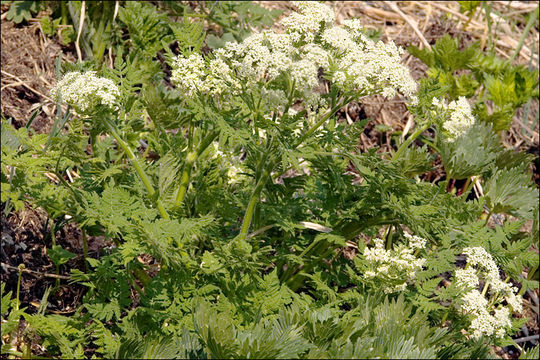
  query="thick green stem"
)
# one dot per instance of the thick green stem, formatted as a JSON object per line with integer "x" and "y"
{"x": 191, "y": 158}
{"x": 184, "y": 179}
{"x": 268, "y": 169}
{"x": 253, "y": 202}
{"x": 389, "y": 238}
{"x": 409, "y": 140}
{"x": 142, "y": 175}
{"x": 466, "y": 186}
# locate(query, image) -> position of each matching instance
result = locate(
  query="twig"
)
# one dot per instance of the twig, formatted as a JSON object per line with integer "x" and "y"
{"x": 408, "y": 125}
{"x": 116, "y": 7}
{"x": 27, "y": 86}
{"x": 527, "y": 338}
{"x": 35, "y": 273}
{"x": 394, "y": 7}
{"x": 38, "y": 304}
{"x": 16, "y": 83}
{"x": 81, "y": 23}
{"x": 378, "y": 13}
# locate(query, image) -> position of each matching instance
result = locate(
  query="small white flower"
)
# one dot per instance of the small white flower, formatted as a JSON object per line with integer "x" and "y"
{"x": 305, "y": 73}
{"x": 339, "y": 78}
{"x": 188, "y": 73}
{"x": 399, "y": 265}
{"x": 355, "y": 28}
{"x": 338, "y": 38}
{"x": 316, "y": 54}
{"x": 369, "y": 274}
{"x": 415, "y": 241}
{"x": 217, "y": 152}
{"x": 401, "y": 287}
{"x": 502, "y": 318}
{"x": 234, "y": 174}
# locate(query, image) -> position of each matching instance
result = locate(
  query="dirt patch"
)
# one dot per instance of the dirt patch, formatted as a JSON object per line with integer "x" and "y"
{"x": 28, "y": 74}
{"x": 25, "y": 239}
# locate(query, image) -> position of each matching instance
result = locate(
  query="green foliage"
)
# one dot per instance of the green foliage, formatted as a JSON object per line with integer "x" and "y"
{"x": 20, "y": 11}
{"x": 11, "y": 315}
{"x": 530, "y": 354}
{"x": 237, "y": 19}
{"x": 456, "y": 155}
{"x": 59, "y": 255}
{"x": 182, "y": 280}
{"x": 510, "y": 191}
{"x": 468, "y": 6}
{"x": 415, "y": 161}
{"x": 483, "y": 77}
{"x": 147, "y": 27}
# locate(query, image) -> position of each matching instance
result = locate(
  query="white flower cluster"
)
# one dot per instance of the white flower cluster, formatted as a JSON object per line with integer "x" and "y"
{"x": 399, "y": 265}
{"x": 488, "y": 318}
{"x": 85, "y": 91}
{"x": 460, "y": 116}
{"x": 312, "y": 42}
{"x": 191, "y": 75}
{"x": 304, "y": 24}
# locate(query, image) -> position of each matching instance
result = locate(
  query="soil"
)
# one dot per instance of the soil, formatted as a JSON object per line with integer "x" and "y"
{"x": 28, "y": 61}
{"x": 28, "y": 74}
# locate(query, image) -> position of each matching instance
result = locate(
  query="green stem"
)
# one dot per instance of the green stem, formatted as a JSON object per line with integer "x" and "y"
{"x": 53, "y": 238}
{"x": 85, "y": 248}
{"x": 142, "y": 276}
{"x": 17, "y": 303}
{"x": 488, "y": 216}
{"x": 252, "y": 202}
{"x": 484, "y": 290}
{"x": 532, "y": 19}
{"x": 409, "y": 140}
{"x": 429, "y": 143}
{"x": 191, "y": 158}
{"x": 142, "y": 175}
{"x": 264, "y": 176}
{"x": 389, "y": 238}
{"x": 466, "y": 186}
{"x": 184, "y": 178}
{"x": 445, "y": 316}
{"x": 319, "y": 123}
{"x": 469, "y": 19}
